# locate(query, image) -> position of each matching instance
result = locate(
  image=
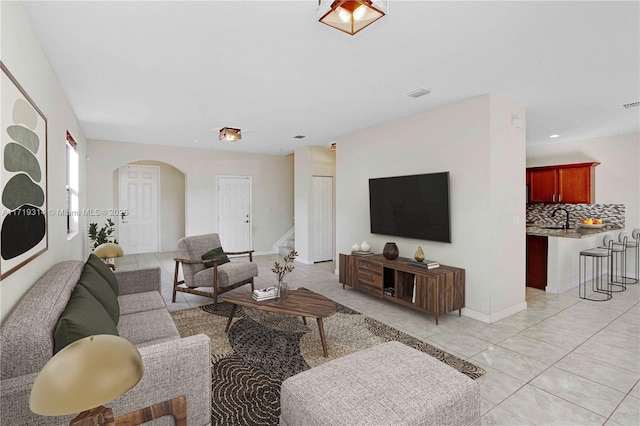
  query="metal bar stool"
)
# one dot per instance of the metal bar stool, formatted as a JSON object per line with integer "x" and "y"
{"x": 597, "y": 256}
{"x": 618, "y": 250}
{"x": 633, "y": 242}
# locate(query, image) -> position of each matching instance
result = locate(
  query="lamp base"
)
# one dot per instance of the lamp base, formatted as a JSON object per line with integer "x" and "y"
{"x": 103, "y": 416}
{"x": 95, "y": 417}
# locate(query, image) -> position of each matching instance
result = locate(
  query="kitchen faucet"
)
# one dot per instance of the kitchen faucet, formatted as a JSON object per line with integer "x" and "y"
{"x": 566, "y": 224}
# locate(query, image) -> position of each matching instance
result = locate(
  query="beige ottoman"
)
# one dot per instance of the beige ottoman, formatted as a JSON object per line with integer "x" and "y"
{"x": 389, "y": 384}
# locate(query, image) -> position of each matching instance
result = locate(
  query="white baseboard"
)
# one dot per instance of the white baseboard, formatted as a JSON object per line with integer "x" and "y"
{"x": 305, "y": 261}
{"x": 255, "y": 253}
{"x": 260, "y": 253}
{"x": 496, "y": 316}
{"x": 558, "y": 290}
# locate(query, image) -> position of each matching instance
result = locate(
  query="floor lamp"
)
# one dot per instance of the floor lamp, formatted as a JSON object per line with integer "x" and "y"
{"x": 91, "y": 372}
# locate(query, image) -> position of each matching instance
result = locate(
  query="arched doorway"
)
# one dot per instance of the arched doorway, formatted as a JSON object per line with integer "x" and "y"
{"x": 168, "y": 207}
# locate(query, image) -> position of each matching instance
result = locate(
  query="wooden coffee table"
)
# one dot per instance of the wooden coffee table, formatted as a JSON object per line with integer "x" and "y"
{"x": 299, "y": 303}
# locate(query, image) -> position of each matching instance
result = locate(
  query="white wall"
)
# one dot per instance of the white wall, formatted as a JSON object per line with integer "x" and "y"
{"x": 485, "y": 157}
{"x": 309, "y": 161}
{"x": 23, "y": 56}
{"x": 508, "y": 207}
{"x": 618, "y": 175}
{"x": 272, "y": 184}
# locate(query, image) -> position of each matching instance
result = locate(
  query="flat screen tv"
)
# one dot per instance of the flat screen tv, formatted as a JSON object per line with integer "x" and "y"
{"x": 415, "y": 206}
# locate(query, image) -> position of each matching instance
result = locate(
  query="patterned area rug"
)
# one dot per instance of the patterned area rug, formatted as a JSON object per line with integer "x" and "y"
{"x": 262, "y": 349}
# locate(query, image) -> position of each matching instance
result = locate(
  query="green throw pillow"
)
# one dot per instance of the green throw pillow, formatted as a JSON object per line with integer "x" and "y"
{"x": 83, "y": 316}
{"x": 215, "y": 254}
{"x": 106, "y": 272}
{"x": 101, "y": 290}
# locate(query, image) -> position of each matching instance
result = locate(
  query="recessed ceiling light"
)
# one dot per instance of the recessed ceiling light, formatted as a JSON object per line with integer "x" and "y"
{"x": 418, "y": 92}
{"x": 196, "y": 141}
{"x": 554, "y": 136}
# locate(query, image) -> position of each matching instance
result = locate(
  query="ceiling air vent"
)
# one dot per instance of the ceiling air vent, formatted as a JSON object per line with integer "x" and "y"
{"x": 418, "y": 92}
{"x": 299, "y": 137}
{"x": 631, "y": 105}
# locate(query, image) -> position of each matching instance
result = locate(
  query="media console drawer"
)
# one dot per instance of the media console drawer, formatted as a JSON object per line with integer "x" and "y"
{"x": 366, "y": 265}
{"x": 437, "y": 291}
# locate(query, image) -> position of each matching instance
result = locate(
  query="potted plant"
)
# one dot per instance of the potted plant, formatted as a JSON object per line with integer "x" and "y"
{"x": 282, "y": 269}
{"x": 102, "y": 235}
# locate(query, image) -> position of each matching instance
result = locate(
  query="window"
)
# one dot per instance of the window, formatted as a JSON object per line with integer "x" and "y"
{"x": 72, "y": 187}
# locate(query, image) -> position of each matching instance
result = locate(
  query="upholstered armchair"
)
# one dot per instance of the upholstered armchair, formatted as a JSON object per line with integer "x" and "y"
{"x": 199, "y": 273}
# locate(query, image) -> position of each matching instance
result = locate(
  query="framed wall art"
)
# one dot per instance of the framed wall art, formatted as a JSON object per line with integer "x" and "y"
{"x": 23, "y": 177}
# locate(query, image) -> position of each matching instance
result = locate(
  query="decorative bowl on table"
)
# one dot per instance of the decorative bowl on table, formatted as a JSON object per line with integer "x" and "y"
{"x": 591, "y": 225}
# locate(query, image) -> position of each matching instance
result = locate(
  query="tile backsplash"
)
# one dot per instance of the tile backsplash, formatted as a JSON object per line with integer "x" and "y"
{"x": 540, "y": 214}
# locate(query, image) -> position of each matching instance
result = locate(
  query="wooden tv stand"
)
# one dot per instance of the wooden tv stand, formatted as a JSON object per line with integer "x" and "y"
{"x": 437, "y": 291}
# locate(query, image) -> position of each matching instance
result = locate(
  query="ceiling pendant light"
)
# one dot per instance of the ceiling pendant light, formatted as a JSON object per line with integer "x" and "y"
{"x": 351, "y": 16}
{"x": 230, "y": 134}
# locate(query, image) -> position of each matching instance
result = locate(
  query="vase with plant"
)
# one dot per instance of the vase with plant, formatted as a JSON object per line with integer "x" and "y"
{"x": 102, "y": 235}
{"x": 282, "y": 269}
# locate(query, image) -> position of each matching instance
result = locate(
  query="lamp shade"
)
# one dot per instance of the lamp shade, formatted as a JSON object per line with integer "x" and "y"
{"x": 108, "y": 251}
{"x": 351, "y": 16}
{"x": 86, "y": 374}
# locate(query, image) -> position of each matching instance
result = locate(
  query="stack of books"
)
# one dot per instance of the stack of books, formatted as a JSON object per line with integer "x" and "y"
{"x": 265, "y": 294}
{"x": 361, "y": 253}
{"x": 429, "y": 264}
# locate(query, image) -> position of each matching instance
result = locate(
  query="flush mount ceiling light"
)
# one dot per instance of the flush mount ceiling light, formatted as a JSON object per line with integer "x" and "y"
{"x": 351, "y": 16}
{"x": 230, "y": 134}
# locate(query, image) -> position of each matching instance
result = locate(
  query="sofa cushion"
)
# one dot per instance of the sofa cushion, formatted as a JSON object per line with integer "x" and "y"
{"x": 101, "y": 290}
{"x": 143, "y": 327}
{"x": 33, "y": 320}
{"x": 106, "y": 272}
{"x": 141, "y": 302}
{"x": 216, "y": 254}
{"x": 83, "y": 316}
{"x": 228, "y": 274}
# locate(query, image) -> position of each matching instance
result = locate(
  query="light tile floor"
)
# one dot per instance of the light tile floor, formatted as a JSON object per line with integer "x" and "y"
{"x": 563, "y": 361}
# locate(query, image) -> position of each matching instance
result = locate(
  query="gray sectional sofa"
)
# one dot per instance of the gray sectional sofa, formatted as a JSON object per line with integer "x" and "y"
{"x": 174, "y": 366}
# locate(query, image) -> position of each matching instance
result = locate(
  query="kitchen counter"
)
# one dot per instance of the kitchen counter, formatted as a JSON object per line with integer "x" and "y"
{"x": 570, "y": 233}
{"x": 563, "y": 252}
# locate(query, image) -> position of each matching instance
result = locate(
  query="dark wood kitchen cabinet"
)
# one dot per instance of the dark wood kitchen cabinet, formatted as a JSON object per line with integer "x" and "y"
{"x": 537, "y": 249}
{"x": 542, "y": 185}
{"x": 568, "y": 183}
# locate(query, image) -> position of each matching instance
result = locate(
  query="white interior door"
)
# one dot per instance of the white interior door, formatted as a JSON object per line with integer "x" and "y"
{"x": 139, "y": 187}
{"x": 322, "y": 218}
{"x": 234, "y": 212}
